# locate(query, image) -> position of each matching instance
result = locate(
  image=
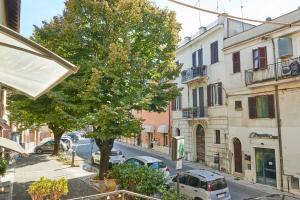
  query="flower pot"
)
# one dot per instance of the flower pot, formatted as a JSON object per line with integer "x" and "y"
{"x": 110, "y": 184}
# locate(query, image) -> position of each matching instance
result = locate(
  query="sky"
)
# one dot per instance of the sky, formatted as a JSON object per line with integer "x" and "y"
{"x": 33, "y": 12}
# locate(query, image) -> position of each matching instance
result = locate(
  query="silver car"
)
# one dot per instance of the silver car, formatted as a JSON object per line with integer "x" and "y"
{"x": 202, "y": 185}
{"x": 116, "y": 157}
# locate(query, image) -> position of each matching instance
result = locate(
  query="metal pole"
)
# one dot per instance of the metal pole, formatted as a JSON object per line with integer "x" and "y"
{"x": 177, "y": 181}
{"x": 73, "y": 159}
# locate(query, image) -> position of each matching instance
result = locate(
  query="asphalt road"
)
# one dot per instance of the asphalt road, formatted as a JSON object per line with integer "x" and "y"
{"x": 237, "y": 191}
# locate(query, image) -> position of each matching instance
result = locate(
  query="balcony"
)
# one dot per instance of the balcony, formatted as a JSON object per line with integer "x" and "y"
{"x": 274, "y": 72}
{"x": 120, "y": 194}
{"x": 195, "y": 112}
{"x": 194, "y": 74}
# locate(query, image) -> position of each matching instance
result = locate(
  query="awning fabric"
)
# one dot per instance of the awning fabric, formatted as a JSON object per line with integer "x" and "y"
{"x": 12, "y": 145}
{"x": 148, "y": 128}
{"x": 163, "y": 129}
{"x": 29, "y": 67}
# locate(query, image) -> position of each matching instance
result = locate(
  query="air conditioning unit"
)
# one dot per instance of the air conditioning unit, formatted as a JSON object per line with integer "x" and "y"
{"x": 285, "y": 47}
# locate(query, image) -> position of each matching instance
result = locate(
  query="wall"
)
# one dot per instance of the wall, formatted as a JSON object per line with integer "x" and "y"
{"x": 2, "y": 13}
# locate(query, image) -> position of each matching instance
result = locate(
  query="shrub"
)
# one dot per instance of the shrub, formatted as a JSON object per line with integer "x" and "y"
{"x": 44, "y": 188}
{"x": 3, "y": 167}
{"x": 139, "y": 179}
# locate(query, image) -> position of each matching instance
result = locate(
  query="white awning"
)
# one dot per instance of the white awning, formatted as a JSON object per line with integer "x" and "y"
{"x": 163, "y": 129}
{"x": 148, "y": 128}
{"x": 29, "y": 67}
{"x": 11, "y": 145}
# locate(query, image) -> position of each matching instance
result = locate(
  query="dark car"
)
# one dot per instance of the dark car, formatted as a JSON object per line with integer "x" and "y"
{"x": 48, "y": 147}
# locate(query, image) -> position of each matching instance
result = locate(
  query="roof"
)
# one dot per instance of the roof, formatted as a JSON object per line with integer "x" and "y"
{"x": 202, "y": 173}
{"x": 260, "y": 30}
{"x": 13, "y": 14}
{"x": 147, "y": 159}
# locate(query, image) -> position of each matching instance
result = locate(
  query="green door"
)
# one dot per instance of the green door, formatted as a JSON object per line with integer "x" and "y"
{"x": 265, "y": 166}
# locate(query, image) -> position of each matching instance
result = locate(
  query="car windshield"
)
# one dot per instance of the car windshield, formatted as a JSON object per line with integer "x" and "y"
{"x": 218, "y": 184}
{"x": 156, "y": 165}
{"x": 115, "y": 153}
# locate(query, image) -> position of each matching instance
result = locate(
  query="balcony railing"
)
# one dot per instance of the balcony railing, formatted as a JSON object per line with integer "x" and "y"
{"x": 274, "y": 72}
{"x": 193, "y": 73}
{"x": 195, "y": 112}
{"x": 120, "y": 194}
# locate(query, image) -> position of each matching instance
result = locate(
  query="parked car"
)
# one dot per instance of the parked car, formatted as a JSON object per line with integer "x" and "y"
{"x": 67, "y": 140}
{"x": 116, "y": 157}
{"x": 47, "y": 146}
{"x": 201, "y": 185}
{"x": 74, "y": 137}
{"x": 150, "y": 162}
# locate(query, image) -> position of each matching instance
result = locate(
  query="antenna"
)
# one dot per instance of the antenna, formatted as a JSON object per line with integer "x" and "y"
{"x": 242, "y": 6}
{"x": 217, "y": 5}
{"x": 199, "y": 16}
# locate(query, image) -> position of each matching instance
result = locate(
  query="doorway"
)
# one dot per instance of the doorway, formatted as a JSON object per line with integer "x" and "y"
{"x": 200, "y": 143}
{"x": 237, "y": 147}
{"x": 265, "y": 166}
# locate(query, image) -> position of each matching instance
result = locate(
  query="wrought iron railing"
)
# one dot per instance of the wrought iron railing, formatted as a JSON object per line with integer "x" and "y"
{"x": 195, "y": 112}
{"x": 192, "y": 73}
{"x": 116, "y": 195}
{"x": 275, "y": 71}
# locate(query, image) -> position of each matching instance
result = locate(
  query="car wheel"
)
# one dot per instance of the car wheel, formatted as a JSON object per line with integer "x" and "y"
{"x": 39, "y": 151}
{"x": 197, "y": 198}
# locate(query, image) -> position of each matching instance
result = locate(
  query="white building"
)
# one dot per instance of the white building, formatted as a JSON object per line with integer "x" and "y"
{"x": 263, "y": 67}
{"x": 200, "y": 113}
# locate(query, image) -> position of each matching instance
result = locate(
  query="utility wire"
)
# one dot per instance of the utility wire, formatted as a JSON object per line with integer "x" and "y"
{"x": 232, "y": 16}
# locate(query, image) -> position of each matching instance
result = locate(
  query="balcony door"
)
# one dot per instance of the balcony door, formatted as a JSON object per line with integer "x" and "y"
{"x": 201, "y": 102}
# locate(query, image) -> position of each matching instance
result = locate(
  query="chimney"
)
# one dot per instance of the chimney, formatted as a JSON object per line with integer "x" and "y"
{"x": 202, "y": 29}
{"x": 187, "y": 39}
{"x": 268, "y": 19}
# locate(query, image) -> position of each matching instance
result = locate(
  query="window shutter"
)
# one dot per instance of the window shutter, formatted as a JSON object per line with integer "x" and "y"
{"x": 255, "y": 58}
{"x": 236, "y": 62}
{"x": 200, "y": 58}
{"x": 194, "y": 59}
{"x": 220, "y": 96}
{"x": 194, "y": 93}
{"x": 271, "y": 106}
{"x": 252, "y": 107}
{"x": 214, "y": 56}
{"x": 209, "y": 95}
{"x": 180, "y": 102}
{"x": 262, "y": 52}
{"x": 216, "y": 52}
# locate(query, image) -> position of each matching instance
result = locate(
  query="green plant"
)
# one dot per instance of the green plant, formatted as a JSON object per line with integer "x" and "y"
{"x": 58, "y": 188}
{"x": 3, "y": 167}
{"x": 39, "y": 189}
{"x": 143, "y": 180}
{"x": 43, "y": 188}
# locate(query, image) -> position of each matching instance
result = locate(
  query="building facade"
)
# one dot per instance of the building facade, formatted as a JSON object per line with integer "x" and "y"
{"x": 200, "y": 112}
{"x": 263, "y": 66}
{"x": 156, "y": 133}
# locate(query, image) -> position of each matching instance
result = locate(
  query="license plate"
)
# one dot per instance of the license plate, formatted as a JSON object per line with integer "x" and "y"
{"x": 221, "y": 195}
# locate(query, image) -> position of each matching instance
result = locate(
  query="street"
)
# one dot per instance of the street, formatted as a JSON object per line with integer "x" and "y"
{"x": 238, "y": 191}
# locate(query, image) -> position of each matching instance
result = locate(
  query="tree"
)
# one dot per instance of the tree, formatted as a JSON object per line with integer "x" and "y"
{"x": 125, "y": 49}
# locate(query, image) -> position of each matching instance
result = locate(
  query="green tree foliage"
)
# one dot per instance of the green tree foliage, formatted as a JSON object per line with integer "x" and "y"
{"x": 125, "y": 49}
{"x": 3, "y": 167}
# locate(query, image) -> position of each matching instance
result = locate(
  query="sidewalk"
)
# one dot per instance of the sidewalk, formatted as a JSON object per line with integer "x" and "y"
{"x": 229, "y": 177}
{"x": 30, "y": 169}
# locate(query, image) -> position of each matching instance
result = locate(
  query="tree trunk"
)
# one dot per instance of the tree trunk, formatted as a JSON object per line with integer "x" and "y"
{"x": 105, "y": 147}
{"x": 56, "y": 144}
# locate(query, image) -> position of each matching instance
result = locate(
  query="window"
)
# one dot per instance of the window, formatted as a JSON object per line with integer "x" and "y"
{"x": 157, "y": 165}
{"x": 261, "y": 107}
{"x": 197, "y": 58}
{"x": 217, "y": 137}
{"x": 135, "y": 162}
{"x": 177, "y": 103}
{"x": 214, "y": 94}
{"x": 236, "y": 62}
{"x": 183, "y": 178}
{"x": 193, "y": 182}
{"x": 259, "y": 58}
{"x": 214, "y": 55}
{"x": 194, "y": 59}
{"x": 238, "y": 105}
{"x": 166, "y": 139}
{"x": 218, "y": 184}
{"x": 295, "y": 183}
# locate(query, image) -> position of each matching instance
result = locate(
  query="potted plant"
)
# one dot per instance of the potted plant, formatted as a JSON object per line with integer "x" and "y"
{"x": 110, "y": 181}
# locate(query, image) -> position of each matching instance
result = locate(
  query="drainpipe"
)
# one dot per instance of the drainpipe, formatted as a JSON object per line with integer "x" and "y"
{"x": 170, "y": 131}
{"x": 278, "y": 118}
